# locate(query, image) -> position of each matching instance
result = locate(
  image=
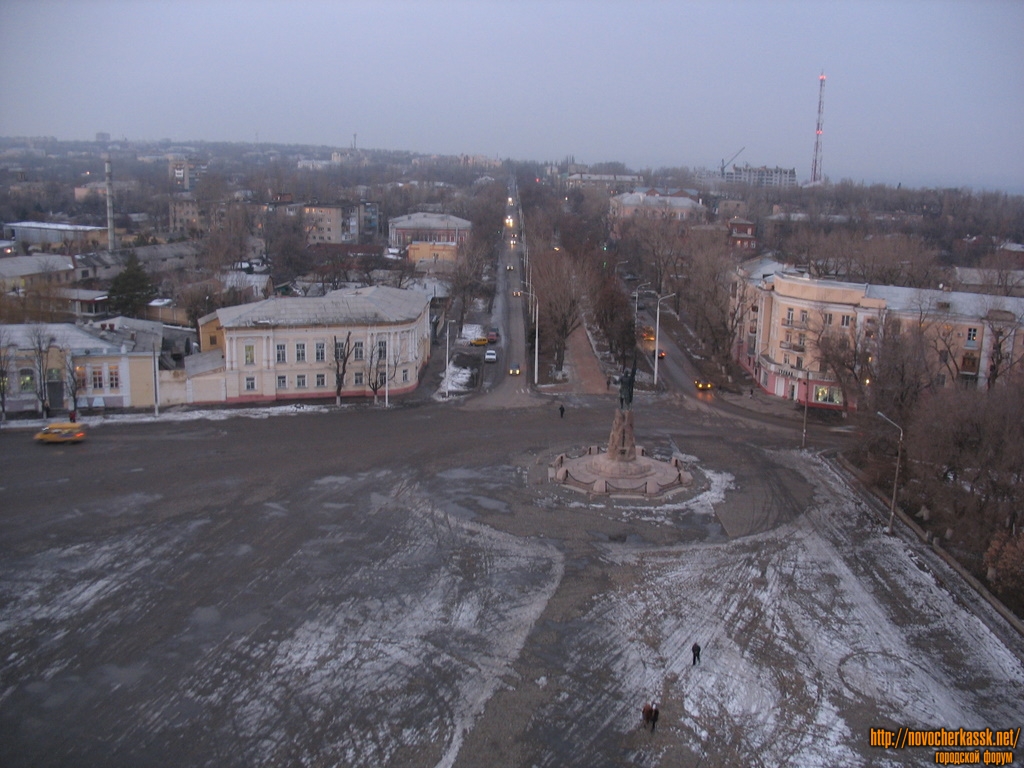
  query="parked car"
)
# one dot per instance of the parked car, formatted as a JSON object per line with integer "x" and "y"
{"x": 492, "y": 337}
{"x": 61, "y": 432}
{"x": 661, "y": 354}
{"x": 703, "y": 384}
{"x": 513, "y": 370}
{"x": 491, "y": 356}
{"x": 479, "y": 341}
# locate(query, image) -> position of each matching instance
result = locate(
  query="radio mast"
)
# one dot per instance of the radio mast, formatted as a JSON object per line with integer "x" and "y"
{"x": 816, "y": 162}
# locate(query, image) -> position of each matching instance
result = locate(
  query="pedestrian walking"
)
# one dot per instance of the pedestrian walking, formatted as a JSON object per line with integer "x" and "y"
{"x": 654, "y": 716}
{"x": 696, "y": 653}
{"x": 561, "y": 411}
{"x": 647, "y": 713}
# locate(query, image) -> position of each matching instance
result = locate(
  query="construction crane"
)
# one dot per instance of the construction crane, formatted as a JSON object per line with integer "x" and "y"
{"x": 816, "y": 162}
{"x": 726, "y": 162}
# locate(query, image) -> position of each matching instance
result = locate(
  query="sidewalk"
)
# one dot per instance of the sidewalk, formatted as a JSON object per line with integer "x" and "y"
{"x": 586, "y": 377}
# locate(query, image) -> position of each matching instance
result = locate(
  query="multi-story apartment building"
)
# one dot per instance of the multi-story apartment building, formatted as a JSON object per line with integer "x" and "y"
{"x": 789, "y": 327}
{"x": 340, "y": 223}
{"x": 762, "y": 176}
{"x": 285, "y": 348}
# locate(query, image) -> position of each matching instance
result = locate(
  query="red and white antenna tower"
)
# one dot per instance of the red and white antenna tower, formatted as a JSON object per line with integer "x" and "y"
{"x": 816, "y": 162}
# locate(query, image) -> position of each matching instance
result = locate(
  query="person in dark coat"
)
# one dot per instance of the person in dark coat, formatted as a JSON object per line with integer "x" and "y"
{"x": 696, "y": 653}
{"x": 654, "y": 716}
{"x": 561, "y": 411}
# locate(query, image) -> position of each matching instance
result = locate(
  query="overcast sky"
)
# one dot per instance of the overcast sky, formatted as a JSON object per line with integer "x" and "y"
{"x": 925, "y": 93}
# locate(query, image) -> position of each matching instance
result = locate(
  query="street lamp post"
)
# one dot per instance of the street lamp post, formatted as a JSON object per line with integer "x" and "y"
{"x": 896, "y": 478}
{"x": 447, "y": 361}
{"x": 657, "y": 336}
{"x": 536, "y": 334}
{"x": 807, "y": 399}
{"x": 636, "y": 301}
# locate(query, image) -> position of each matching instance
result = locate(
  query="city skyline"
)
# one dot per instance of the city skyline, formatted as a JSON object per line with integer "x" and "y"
{"x": 923, "y": 94}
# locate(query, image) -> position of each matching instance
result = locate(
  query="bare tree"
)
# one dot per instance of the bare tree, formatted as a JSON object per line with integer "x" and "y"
{"x": 559, "y": 287}
{"x": 464, "y": 279}
{"x": 964, "y": 448}
{"x": 614, "y": 316}
{"x": 72, "y": 382}
{"x": 708, "y": 292}
{"x": 844, "y": 353}
{"x": 342, "y": 354}
{"x": 8, "y": 355}
{"x": 375, "y": 362}
{"x": 1001, "y": 328}
{"x": 658, "y": 240}
{"x": 41, "y": 341}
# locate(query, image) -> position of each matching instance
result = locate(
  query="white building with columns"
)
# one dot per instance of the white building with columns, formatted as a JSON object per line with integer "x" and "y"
{"x": 294, "y": 348}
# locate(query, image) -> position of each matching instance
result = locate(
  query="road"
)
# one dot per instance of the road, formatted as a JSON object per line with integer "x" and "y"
{"x": 403, "y": 587}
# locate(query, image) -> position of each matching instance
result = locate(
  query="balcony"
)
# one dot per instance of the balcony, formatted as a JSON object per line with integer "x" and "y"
{"x": 791, "y": 346}
{"x": 787, "y": 323}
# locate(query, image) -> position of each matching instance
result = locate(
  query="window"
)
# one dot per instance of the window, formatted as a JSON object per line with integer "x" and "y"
{"x": 300, "y": 352}
{"x": 405, "y": 375}
{"x": 339, "y": 350}
{"x": 845, "y": 321}
{"x": 80, "y": 376}
{"x": 282, "y": 355}
{"x": 213, "y": 341}
{"x": 97, "y": 378}
{"x": 803, "y": 317}
{"x": 321, "y": 380}
{"x": 321, "y": 352}
{"x": 27, "y": 380}
{"x": 789, "y": 316}
{"x": 114, "y": 377}
{"x": 357, "y": 378}
{"x": 250, "y": 383}
{"x": 300, "y": 381}
{"x": 357, "y": 351}
{"x": 826, "y": 317}
{"x": 282, "y": 382}
{"x": 382, "y": 350}
{"x": 799, "y": 362}
{"x": 830, "y": 395}
{"x": 250, "y": 354}
{"x": 382, "y": 378}
{"x": 972, "y": 336}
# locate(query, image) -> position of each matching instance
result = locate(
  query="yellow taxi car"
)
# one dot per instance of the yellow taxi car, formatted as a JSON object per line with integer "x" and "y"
{"x": 479, "y": 341}
{"x": 61, "y": 432}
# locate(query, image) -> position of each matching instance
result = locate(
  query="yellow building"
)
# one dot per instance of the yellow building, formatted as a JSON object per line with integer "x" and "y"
{"x": 284, "y": 348}
{"x": 793, "y": 330}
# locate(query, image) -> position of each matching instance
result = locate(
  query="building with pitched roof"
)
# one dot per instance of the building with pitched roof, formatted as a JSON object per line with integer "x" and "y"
{"x": 783, "y": 315}
{"x": 428, "y": 228}
{"x": 293, "y": 348}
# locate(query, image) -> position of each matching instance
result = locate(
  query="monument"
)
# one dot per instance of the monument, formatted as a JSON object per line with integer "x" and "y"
{"x": 622, "y": 468}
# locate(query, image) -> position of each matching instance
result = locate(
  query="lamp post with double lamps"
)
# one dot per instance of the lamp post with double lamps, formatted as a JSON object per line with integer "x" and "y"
{"x": 896, "y": 478}
{"x": 657, "y": 336}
